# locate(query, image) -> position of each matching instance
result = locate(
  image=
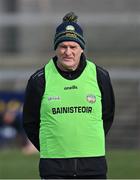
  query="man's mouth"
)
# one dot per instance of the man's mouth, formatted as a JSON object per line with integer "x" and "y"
{"x": 67, "y": 58}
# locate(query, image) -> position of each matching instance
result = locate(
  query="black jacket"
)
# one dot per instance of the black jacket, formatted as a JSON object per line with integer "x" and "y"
{"x": 31, "y": 122}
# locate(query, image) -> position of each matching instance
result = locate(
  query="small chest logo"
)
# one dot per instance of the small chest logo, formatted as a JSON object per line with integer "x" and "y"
{"x": 91, "y": 98}
{"x": 55, "y": 98}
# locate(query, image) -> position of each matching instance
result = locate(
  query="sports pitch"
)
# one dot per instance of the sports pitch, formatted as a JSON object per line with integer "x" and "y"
{"x": 15, "y": 165}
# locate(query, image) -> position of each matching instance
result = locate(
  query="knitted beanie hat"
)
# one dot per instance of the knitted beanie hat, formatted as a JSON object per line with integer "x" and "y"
{"x": 69, "y": 30}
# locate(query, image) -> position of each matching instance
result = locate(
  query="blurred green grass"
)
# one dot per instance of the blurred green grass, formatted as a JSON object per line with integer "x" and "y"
{"x": 16, "y": 165}
{"x": 122, "y": 164}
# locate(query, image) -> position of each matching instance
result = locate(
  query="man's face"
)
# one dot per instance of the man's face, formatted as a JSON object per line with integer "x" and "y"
{"x": 68, "y": 53}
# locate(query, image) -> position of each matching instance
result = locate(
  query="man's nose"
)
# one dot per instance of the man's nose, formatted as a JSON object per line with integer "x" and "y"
{"x": 68, "y": 51}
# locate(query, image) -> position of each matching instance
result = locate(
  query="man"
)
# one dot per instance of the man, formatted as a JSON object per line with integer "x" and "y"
{"x": 69, "y": 108}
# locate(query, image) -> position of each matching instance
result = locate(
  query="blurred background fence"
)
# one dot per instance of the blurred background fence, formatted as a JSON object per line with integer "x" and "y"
{"x": 112, "y": 33}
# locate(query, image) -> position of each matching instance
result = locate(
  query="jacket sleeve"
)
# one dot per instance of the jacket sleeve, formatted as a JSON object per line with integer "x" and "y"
{"x": 31, "y": 108}
{"x": 108, "y": 99}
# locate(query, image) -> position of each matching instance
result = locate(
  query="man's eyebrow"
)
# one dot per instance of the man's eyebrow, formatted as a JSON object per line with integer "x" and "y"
{"x": 71, "y": 46}
{"x": 63, "y": 45}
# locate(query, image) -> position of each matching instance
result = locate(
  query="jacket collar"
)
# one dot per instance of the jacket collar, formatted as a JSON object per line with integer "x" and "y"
{"x": 72, "y": 74}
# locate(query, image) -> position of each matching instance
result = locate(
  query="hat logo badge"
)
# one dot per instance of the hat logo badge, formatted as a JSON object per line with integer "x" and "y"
{"x": 70, "y": 28}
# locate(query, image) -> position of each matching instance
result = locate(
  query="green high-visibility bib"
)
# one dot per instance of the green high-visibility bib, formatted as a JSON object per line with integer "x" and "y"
{"x": 71, "y": 115}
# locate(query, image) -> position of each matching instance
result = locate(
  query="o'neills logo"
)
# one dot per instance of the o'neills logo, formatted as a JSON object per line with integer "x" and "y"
{"x": 72, "y": 109}
{"x": 70, "y": 87}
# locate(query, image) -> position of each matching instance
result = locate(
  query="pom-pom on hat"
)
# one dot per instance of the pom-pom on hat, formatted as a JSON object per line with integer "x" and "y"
{"x": 69, "y": 30}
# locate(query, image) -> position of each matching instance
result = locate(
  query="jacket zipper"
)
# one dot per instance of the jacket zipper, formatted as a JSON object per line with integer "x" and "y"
{"x": 75, "y": 167}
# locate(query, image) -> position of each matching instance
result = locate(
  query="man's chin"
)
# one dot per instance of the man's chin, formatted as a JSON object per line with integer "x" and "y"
{"x": 67, "y": 59}
{"x": 69, "y": 67}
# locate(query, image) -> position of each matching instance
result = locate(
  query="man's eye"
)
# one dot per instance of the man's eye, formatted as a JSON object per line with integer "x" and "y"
{"x": 64, "y": 47}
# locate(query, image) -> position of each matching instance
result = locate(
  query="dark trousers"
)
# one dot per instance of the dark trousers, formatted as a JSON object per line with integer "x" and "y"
{"x": 76, "y": 177}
